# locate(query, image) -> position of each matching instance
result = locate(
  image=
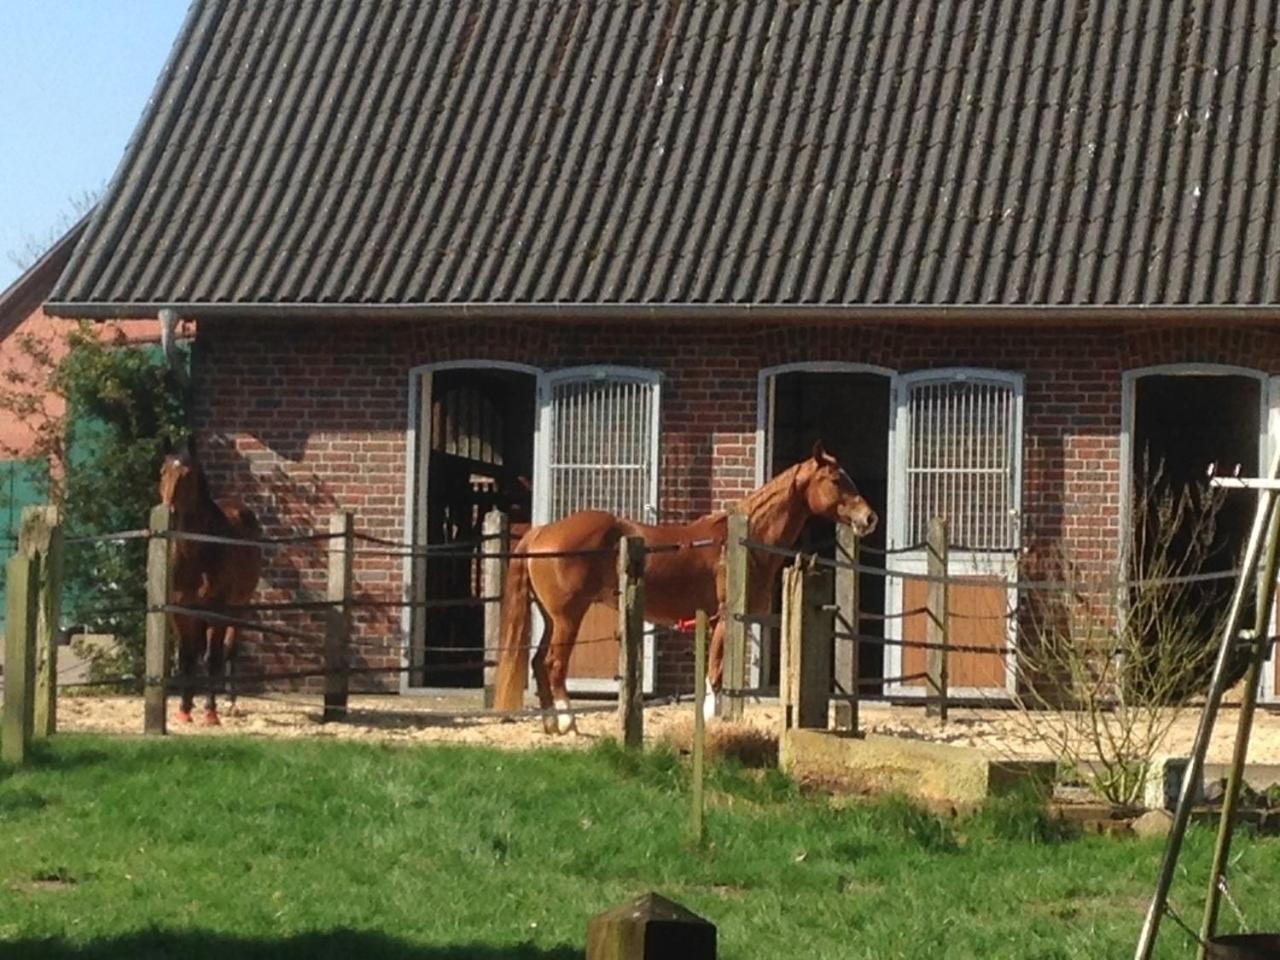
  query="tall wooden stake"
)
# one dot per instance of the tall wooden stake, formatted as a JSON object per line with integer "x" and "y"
{"x": 937, "y": 620}
{"x": 337, "y": 634}
{"x": 631, "y": 554}
{"x": 42, "y": 534}
{"x": 845, "y": 714}
{"x": 155, "y": 705}
{"x": 808, "y": 625}
{"x": 1208, "y": 716}
{"x": 1244, "y": 727}
{"x": 496, "y": 531}
{"x": 696, "y": 829}
{"x": 17, "y": 720}
{"x": 737, "y": 563}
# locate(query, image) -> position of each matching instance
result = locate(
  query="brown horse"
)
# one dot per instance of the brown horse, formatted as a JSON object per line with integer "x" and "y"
{"x": 205, "y": 574}
{"x": 676, "y": 583}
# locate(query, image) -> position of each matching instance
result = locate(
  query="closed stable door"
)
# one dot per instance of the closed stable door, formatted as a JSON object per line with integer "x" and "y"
{"x": 958, "y": 439}
{"x": 598, "y": 450}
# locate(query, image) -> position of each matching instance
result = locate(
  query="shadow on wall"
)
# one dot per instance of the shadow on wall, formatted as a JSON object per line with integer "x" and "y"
{"x": 335, "y": 944}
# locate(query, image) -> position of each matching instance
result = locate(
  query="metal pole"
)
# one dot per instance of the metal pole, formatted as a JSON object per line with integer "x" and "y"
{"x": 1195, "y": 766}
{"x": 1244, "y": 726}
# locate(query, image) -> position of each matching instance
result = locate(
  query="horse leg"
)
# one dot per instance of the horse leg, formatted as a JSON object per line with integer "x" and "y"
{"x": 540, "y": 676}
{"x": 188, "y": 652}
{"x": 230, "y": 651}
{"x": 715, "y": 668}
{"x": 214, "y": 659}
{"x": 563, "y": 636}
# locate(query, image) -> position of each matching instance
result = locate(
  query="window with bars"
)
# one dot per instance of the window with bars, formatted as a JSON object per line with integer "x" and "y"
{"x": 602, "y": 450}
{"x": 962, "y": 460}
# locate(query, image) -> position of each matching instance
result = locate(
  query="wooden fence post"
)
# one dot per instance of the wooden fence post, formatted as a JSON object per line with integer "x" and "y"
{"x": 700, "y": 637}
{"x": 631, "y": 554}
{"x": 337, "y": 633}
{"x": 849, "y": 622}
{"x": 496, "y": 533}
{"x": 155, "y": 705}
{"x": 17, "y": 720}
{"x": 808, "y": 628}
{"x": 737, "y": 563}
{"x": 41, "y": 537}
{"x": 937, "y": 619}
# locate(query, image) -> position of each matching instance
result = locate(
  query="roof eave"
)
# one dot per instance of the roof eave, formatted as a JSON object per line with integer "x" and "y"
{"x": 660, "y": 312}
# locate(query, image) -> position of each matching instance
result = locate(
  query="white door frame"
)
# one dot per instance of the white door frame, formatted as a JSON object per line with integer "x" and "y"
{"x": 1004, "y": 564}
{"x": 1268, "y": 427}
{"x": 542, "y": 482}
{"x": 765, "y": 384}
{"x": 415, "y": 507}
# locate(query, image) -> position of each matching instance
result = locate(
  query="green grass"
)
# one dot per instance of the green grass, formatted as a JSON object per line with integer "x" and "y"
{"x": 234, "y": 848}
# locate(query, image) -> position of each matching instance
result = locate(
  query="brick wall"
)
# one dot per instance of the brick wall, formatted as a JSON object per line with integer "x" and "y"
{"x": 303, "y": 419}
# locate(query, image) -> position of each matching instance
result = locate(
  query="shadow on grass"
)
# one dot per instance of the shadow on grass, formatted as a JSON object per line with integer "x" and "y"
{"x": 336, "y": 944}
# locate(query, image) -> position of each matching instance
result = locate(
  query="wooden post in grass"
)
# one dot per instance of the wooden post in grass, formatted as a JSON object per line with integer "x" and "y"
{"x": 937, "y": 620}
{"x": 699, "y": 726}
{"x": 631, "y": 554}
{"x": 808, "y": 625}
{"x": 155, "y": 705}
{"x": 42, "y": 538}
{"x": 495, "y": 543}
{"x": 649, "y": 928}
{"x": 337, "y": 633}
{"x": 737, "y": 562}
{"x": 17, "y": 720}
{"x": 849, "y": 624}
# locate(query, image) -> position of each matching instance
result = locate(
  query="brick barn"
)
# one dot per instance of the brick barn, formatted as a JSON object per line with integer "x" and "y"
{"x": 644, "y": 254}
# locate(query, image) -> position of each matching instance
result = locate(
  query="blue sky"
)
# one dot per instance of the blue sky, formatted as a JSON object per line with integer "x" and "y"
{"x": 74, "y": 77}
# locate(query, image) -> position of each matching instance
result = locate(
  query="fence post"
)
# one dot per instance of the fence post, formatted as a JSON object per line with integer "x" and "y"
{"x": 938, "y": 620}
{"x": 849, "y": 622}
{"x": 17, "y": 720}
{"x": 700, "y": 637}
{"x": 337, "y": 632}
{"x": 496, "y": 542}
{"x": 41, "y": 538}
{"x": 808, "y": 628}
{"x": 155, "y": 704}
{"x": 631, "y": 554}
{"x": 737, "y": 562}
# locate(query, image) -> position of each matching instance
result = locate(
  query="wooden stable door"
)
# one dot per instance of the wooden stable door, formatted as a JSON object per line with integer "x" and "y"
{"x": 958, "y": 440}
{"x": 598, "y": 450}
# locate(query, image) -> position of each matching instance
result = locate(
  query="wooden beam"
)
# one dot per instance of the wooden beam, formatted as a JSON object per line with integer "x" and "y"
{"x": 17, "y": 720}
{"x": 337, "y": 634}
{"x": 937, "y": 620}
{"x": 737, "y": 561}
{"x": 155, "y": 695}
{"x": 847, "y": 621}
{"x": 700, "y": 638}
{"x": 42, "y": 532}
{"x": 496, "y": 531}
{"x": 631, "y": 558}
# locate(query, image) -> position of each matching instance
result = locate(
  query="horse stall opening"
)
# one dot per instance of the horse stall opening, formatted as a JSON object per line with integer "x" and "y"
{"x": 849, "y": 412}
{"x": 1181, "y": 424}
{"x": 475, "y": 452}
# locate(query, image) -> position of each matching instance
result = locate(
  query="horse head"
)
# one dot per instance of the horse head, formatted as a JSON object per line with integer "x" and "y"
{"x": 832, "y": 494}
{"x": 180, "y": 477}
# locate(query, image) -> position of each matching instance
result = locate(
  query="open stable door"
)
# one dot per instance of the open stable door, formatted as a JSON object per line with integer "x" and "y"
{"x": 598, "y": 450}
{"x": 958, "y": 455}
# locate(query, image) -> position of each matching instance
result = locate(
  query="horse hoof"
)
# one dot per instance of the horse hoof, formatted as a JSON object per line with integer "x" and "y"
{"x": 184, "y": 716}
{"x": 564, "y": 720}
{"x": 549, "y": 724}
{"x": 211, "y": 719}
{"x": 709, "y": 706}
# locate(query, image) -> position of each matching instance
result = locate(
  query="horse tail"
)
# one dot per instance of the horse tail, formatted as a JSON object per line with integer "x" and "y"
{"x": 513, "y": 654}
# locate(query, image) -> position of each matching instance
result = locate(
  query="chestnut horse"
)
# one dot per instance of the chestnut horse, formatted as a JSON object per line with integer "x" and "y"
{"x": 676, "y": 583}
{"x": 205, "y": 574}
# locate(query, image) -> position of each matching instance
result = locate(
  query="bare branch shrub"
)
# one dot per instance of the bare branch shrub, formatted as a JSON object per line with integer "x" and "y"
{"x": 1113, "y": 654}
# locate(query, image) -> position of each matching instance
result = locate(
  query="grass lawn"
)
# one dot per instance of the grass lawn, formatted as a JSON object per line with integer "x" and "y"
{"x": 228, "y": 848}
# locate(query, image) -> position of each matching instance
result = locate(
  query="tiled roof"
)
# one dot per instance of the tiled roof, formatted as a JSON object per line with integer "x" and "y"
{"x": 829, "y": 153}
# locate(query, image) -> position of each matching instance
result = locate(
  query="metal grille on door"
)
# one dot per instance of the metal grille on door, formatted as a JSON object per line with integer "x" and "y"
{"x": 602, "y": 447}
{"x": 600, "y": 430}
{"x": 960, "y": 459}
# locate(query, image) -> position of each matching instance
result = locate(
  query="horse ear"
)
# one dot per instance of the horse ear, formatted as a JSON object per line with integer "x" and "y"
{"x": 819, "y": 451}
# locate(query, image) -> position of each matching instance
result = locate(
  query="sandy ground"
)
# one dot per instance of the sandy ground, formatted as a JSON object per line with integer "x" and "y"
{"x": 415, "y": 719}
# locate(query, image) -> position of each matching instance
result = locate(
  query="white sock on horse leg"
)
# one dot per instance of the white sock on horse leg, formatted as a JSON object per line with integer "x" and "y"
{"x": 709, "y": 705}
{"x": 564, "y": 719}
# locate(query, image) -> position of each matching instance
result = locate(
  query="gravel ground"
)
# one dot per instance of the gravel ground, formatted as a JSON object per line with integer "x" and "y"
{"x": 413, "y": 719}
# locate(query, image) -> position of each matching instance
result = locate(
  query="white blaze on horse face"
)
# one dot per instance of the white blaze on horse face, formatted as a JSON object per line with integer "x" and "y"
{"x": 564, "y": 719}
